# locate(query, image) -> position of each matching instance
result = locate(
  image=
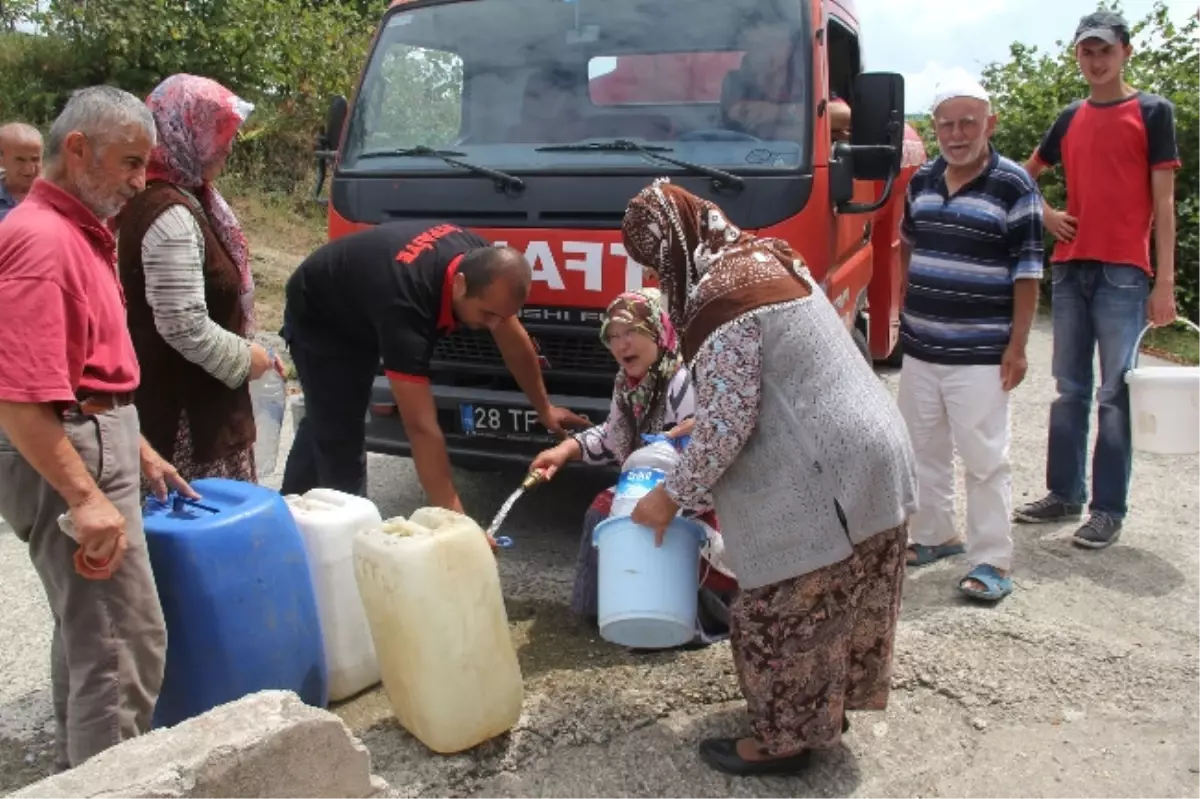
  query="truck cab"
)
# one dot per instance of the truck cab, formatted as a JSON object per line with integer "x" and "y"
{"x": 534, "y": 122}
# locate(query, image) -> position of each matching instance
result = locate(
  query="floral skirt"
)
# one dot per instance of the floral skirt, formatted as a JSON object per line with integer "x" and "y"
{"x": 238, "y": 466}
{"x": 810, "y": 648}
{"x": 717, "y": 587}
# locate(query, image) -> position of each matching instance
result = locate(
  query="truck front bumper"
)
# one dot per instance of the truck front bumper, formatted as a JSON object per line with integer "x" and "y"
{"x": 385, "y": 431}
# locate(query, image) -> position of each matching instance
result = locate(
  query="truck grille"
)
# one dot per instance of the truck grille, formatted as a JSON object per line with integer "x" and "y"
{"x": 577, "y": 353}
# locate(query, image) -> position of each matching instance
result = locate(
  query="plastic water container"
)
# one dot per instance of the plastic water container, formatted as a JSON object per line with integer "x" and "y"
{"x": 431, "y": 590}
{"x": 269, "y": 397}
{"x": 642, "y": 471}
{"x": 1164, "y": 405}
{"x": 297, "y": 412}
{"x": 236, "y": 591}
{"x": 328, "y": 521}
{"x": 646, "y": 595}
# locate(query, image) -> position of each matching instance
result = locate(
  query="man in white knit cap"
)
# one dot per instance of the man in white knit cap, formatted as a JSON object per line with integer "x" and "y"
{"x": 972, "y": 260}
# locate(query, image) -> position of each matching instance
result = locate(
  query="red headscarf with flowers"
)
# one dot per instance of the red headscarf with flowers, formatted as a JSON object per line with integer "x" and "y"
{"x": 197, "y": 120}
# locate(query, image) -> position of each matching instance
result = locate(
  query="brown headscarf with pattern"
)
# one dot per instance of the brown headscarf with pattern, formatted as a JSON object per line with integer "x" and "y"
{"x": 711, "y": 271}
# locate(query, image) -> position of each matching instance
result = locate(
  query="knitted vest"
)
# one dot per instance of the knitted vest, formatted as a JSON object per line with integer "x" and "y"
{"x": 221, "y": 419}
{"x": 829, "y": 445}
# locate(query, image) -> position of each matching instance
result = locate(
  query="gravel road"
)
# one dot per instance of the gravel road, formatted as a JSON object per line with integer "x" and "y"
{"x": 1084, "y": 682}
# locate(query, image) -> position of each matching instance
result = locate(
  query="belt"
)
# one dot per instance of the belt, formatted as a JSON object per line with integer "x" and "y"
{"x": 94, "y": 404}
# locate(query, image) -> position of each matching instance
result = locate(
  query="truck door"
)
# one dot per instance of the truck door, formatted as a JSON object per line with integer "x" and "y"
{"x": 844, "y": 65}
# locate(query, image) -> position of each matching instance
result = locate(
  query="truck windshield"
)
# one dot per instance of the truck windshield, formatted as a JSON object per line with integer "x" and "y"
{"x": 718, "y": 83}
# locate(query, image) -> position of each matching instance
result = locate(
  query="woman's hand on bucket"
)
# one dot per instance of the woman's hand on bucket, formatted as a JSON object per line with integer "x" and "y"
{"x": 655, "y": 510}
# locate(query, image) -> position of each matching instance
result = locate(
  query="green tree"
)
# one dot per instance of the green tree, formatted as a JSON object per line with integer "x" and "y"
{"x": 1031, "y": 89}
{"x": 15, "y": 11}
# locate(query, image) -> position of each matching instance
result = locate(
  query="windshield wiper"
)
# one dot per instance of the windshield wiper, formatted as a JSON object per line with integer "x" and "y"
{"x": 503, "y": 179}
{"x": 719, "y": 176}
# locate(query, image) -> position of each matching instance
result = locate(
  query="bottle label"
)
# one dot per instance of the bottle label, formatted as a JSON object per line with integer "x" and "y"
{"x": 637, "y": 483}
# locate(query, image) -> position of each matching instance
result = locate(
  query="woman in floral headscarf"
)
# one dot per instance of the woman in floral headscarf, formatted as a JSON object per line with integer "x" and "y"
{"x": 808, "y": 465}
{"x": 185, "y": 268}
{"x": 652, "y": 394}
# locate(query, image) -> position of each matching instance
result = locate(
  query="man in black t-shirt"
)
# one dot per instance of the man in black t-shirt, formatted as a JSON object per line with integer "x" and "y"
{"x": 390, "y": 292}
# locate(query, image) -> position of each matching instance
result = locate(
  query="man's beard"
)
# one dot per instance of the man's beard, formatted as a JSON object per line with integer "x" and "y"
{"x": 974, "y": 155}
{"x": 104, "y": 202}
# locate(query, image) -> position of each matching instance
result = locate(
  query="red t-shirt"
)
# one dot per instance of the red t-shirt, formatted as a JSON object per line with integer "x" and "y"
{"x": 1107, "y": 151}
{"x": 62, "y": 311}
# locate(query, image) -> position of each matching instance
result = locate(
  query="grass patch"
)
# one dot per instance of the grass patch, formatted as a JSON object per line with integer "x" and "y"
{"x": 282, "y": 230}
{"x": 1177, "y": 343}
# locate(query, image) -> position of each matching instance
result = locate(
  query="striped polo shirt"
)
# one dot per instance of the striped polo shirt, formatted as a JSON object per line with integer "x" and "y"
{"x": 967, "y": 252}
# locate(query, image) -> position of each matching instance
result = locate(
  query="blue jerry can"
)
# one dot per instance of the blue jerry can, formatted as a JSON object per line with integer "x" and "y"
{"x": 236, "y": 591}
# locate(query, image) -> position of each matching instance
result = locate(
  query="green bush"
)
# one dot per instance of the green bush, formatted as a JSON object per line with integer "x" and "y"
{"x": 286, "y": 56}
{"x": 37, "y": 73}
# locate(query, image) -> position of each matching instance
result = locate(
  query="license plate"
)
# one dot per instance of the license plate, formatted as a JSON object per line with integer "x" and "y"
{"x": 499, "y": 421}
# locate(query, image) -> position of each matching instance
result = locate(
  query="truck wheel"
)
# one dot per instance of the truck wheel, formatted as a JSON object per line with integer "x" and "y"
{"x": 860, "y": 341}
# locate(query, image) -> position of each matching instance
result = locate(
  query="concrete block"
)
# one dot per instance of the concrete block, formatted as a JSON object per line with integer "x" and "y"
{"x": 268, "y": 744}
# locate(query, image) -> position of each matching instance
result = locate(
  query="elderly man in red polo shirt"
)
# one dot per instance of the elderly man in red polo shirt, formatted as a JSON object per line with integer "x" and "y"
{"x": 70, "y": 446}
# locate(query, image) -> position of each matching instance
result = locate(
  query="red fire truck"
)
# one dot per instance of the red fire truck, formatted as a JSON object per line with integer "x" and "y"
{"x": 533, "y": 122}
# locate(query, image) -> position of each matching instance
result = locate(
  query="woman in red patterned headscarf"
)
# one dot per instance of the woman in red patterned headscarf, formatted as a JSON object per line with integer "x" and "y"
{"x": 185, "y": 268}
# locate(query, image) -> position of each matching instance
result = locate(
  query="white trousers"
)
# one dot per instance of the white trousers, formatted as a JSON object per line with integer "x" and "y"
{"x": 964, "y": 408}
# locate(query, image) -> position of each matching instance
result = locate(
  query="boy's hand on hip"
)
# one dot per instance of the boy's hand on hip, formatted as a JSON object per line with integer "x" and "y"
{"x": 1061, "y": 224}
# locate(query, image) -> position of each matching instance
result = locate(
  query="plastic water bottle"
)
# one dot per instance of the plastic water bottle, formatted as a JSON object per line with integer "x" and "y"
{"x": 644, "y": 469}
{"x": 269, "y": 396}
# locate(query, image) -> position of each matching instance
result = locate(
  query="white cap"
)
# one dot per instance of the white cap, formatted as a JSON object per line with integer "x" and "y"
{"x": 964, "y": 87}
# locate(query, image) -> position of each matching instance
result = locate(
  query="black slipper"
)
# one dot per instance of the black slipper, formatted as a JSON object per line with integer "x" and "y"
{"x": 722, "y": 754}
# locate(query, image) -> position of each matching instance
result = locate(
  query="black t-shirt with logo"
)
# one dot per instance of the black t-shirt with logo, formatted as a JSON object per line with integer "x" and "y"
{"x": 388, "y": 288}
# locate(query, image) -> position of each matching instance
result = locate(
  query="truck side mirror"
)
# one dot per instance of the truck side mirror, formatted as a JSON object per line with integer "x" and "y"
{"x": 878, "y": 125}
{"x": 334, "y": 121}
{"x": 327, "y": 140}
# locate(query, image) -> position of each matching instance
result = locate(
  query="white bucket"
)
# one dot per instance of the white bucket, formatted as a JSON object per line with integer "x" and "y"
{"x": 1164, "y": 405}
{"x": 646, "y": 595}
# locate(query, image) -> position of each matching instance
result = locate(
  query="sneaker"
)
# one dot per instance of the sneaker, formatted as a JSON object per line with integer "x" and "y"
{"x": 1047, "y": 509}
{"x": 1098, "y": 532}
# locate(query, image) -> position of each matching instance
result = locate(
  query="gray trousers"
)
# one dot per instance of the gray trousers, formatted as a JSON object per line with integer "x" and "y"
{"x": 110, "y": 642}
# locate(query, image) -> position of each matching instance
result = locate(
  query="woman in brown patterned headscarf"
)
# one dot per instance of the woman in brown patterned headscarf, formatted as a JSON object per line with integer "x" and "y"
{"x": 809, "y": 468}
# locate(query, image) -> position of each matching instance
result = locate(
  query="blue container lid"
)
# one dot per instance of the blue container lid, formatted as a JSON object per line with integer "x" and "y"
{"x": 178, "y": 505}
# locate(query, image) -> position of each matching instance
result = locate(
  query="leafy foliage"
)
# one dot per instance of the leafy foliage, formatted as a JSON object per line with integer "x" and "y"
{"x": 286, "y": 56}
{"x": 14, "y": 11}
{"x": 1031, "y": 89}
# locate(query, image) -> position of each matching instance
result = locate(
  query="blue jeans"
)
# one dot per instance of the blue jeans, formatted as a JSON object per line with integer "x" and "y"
{"x": 1094, "y": 304}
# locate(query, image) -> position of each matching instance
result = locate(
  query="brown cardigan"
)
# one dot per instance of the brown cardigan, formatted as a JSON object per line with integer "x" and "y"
{"x": 221, "y": 419}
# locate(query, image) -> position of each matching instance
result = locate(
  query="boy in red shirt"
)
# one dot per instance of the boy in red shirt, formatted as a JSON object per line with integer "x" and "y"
{"x": 1119, "y": 152}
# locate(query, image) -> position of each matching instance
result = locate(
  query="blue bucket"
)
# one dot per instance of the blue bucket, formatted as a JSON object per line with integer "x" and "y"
{"x": 646, "y": 595}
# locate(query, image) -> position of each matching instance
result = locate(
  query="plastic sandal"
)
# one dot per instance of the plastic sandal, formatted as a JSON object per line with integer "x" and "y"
{"x": 927, "y": 555}
{"x": 996, "y": 585}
